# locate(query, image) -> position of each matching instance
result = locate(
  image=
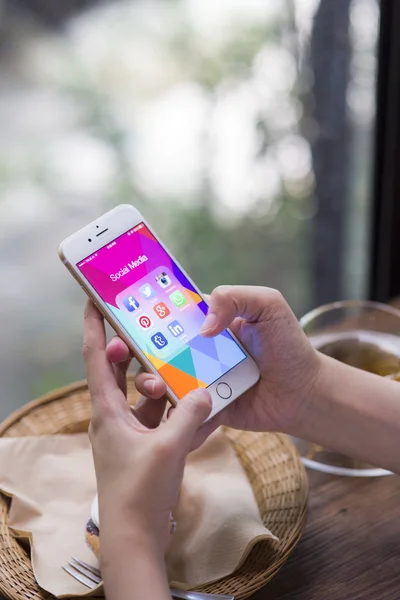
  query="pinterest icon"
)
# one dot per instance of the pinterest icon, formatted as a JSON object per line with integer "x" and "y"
{"x": 144, "y": 322}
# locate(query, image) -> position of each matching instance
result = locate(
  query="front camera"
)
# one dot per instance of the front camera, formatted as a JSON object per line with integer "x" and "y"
{"x": 90, "y": 239}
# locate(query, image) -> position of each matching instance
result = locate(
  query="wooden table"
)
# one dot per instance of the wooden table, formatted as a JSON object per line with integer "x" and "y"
{"x": 351, "y": 546}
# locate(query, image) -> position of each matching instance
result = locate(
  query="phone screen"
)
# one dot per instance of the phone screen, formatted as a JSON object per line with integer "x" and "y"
{"x": 160, "y": 310}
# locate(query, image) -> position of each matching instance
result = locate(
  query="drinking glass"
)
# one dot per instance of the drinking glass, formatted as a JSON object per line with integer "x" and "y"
{"x": 365, "y": 335}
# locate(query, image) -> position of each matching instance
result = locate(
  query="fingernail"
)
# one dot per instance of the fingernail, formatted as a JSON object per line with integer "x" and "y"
{"x": 209, "y": 323}
{"x": 149, "y": 386}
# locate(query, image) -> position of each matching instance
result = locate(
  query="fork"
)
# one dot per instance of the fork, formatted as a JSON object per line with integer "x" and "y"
{"x": 91, "y": 578}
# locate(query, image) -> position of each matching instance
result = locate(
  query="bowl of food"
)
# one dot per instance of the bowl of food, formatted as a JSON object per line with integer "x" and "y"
{"x": 365, "y": 335}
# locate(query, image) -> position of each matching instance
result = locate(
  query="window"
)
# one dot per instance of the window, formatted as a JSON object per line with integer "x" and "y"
{"x": 242, "y": 130}
{"x": 385, "y": 250}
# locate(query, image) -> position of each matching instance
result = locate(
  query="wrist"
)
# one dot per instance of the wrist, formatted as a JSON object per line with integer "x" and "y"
{"x": 123, "y": 539}
{"x": 120, "y": 525}
{"x": 313, "y": 398}
{"x": 128, "y": 518}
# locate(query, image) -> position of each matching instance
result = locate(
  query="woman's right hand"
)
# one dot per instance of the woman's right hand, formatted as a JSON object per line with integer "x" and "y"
{"x": 289, "y": 365}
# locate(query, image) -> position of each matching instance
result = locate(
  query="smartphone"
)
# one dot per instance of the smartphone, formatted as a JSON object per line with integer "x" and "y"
{"x": 153, "y": 305}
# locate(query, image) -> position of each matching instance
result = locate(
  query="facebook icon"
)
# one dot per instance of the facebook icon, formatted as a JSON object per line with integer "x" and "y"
{"x": 130, "y": 303}
{"x": 176, "y": 328}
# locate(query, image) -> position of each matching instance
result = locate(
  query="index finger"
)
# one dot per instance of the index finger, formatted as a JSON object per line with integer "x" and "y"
{"x": 251, "y": 303}
{"x": 100, "y": 374}
{"x": 234, "y": 325}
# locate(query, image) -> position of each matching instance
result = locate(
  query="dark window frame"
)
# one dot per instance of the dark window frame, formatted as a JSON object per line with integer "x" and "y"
{"x": 385, "y": 215}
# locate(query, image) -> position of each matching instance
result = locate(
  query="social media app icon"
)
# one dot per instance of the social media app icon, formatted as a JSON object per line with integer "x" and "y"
{"x": 178, "y": 298}
{"x": 130, "y": 303}
{"x": 176, "y": 328}
{"x": 163, "y": 280}
{"x": 147, "y": 291}
{"x": 161, "y": 310}
{"x": 159, "y": 340}
{"x": 145, "y": 322}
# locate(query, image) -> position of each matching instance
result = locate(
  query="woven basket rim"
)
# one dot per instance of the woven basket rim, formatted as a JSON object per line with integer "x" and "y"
{"x": 51, "y": 396}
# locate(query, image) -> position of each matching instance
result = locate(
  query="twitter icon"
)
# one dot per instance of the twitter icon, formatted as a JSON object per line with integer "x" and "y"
{"x": 147, "y": 291}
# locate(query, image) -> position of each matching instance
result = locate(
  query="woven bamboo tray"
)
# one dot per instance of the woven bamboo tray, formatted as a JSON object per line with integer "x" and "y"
{"x": 270, "y": 461}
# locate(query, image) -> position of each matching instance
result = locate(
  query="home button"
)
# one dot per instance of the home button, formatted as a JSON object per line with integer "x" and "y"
{"x": 224, "y": 391}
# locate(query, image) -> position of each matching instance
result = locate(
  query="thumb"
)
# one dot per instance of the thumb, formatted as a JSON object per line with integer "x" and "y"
{"x": 189, "y": 415}
{"x": 252, "y": 303}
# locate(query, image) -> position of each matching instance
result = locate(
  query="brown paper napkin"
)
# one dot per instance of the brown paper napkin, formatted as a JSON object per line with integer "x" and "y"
{"x": 51, "y": 480}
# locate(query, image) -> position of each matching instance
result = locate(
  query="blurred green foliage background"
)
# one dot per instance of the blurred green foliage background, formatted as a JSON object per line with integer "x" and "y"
{"x": 242, "y": 130}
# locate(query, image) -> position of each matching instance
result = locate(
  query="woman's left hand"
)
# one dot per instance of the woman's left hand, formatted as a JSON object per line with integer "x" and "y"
{"x": 139, "y": 459}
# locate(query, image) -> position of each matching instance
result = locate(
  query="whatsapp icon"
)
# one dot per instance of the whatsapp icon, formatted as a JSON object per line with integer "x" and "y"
{"x": 178, "y": 298}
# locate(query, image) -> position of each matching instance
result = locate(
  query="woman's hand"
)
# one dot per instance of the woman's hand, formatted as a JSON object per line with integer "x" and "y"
{"x": 289, "y": 365}
{"x": 139, "y": 461}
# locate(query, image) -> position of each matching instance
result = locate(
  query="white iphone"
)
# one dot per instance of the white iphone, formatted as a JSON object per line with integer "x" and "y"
{"x": 155, "y": 307}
